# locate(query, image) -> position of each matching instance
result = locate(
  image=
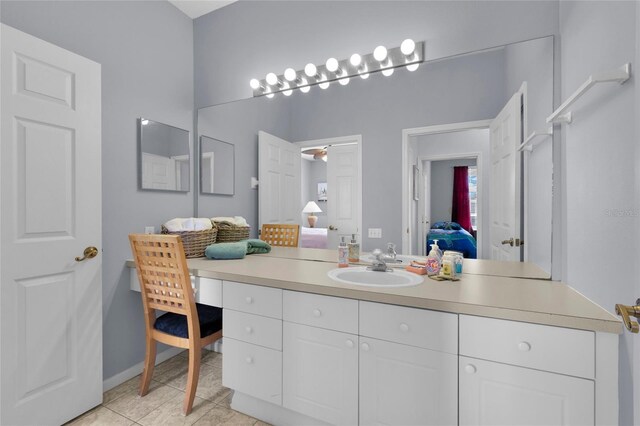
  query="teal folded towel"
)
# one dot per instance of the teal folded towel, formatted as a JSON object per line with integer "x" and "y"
{"x": 255, "y": 246}
{"x": 223, "y": 251}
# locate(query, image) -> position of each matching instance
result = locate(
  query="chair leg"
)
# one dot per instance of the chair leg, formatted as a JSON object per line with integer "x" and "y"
{"x": 192, "y": 379}
{"x": 149, "y": 364}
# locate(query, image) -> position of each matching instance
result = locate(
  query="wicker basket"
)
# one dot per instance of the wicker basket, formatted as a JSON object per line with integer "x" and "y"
{"x": 228, "y": 233}
{"x": 195, "y": 242}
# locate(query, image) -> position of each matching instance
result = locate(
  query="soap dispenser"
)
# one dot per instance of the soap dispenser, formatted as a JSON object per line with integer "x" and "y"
{"x": 343, "y": 254}
{"x": 354, "y": 250}
{"x": 433, "y": 260}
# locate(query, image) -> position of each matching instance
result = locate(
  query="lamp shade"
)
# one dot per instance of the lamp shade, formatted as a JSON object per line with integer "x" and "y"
{"x": 311, "y": 207}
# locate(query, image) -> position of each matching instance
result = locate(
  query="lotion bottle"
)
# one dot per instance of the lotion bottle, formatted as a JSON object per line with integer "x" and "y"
{"x": 354, "y": 250}
{"x": 343, "y": 254}
{"x": 433, "y": 261}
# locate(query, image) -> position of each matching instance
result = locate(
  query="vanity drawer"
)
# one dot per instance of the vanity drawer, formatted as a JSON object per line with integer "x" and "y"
{"x": 251, "y": 328}
{"x": 253, "y": 299}
{"x": 333, "y": 313}
{"x": 253, "y": 370}
{"x": 208, "y": 291}
{"x": 542, "y": 347}
{"x": 411, "y": 326}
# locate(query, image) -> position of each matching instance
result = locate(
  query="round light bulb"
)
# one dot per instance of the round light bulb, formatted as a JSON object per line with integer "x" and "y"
{"x": 290, "y": 74}
{"x": 413, "y": 67}
{"x": 303, "y": 83}
{"x": 388, "y": 71}
{"x": 310, "y": 70}
{"x": 332, "y": 64}
{"x": 325, "y": 83}
{"x": 268, "y": 93}
{"x": 364, "y": 76}
{"x": 408, "y": 47}
{"x": 287, "y": 90}
{"x": 272, "y": 79}
{"x": 254, "y": 83}
{"x": 355, "y": 60}
{"x": 344, "y": 81}
{"x": 380, "y": 53}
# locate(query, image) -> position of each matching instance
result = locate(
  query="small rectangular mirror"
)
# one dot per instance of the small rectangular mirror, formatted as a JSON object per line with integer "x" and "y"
{"x": 164, "y": 160}
{"x": 217, "y": 166}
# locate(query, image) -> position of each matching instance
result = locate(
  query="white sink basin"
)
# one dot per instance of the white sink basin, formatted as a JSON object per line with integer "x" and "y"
{"x": 362, "y": 276}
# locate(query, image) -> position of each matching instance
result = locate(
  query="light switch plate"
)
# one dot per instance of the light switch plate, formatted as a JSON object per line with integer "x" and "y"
{"x": 149, "y": 229}
{"x": 375, "y": 232}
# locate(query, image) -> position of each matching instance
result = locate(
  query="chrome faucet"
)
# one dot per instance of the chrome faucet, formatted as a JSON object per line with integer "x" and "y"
{"x": 379, "y": 263}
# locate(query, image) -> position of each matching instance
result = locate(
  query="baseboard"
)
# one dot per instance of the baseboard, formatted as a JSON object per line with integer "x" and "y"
{"x": 133, "y": 371}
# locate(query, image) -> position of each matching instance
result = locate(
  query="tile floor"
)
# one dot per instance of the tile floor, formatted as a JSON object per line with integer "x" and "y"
{"x": 163, "y": 404}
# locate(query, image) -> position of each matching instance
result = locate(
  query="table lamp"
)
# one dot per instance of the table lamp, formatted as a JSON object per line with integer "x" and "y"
{"x": 311, "y": 208}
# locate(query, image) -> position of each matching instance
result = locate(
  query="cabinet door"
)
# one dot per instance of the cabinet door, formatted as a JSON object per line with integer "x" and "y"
{"x": 500, "y": 394}
{"x": 405, "y": 385}
{"x": 320, "y": 373}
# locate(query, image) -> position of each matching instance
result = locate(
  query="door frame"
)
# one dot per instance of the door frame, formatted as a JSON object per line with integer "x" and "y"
{"x": 407, "y": 226}
{"x": 343, "y": 140}
{"x": 477, "y": 155}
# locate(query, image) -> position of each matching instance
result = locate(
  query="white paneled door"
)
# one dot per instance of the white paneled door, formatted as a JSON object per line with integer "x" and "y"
{"x": 50, "y": 211}
{"x": 279, "y": 176}
{"x": 344, "y": 198}
{"x": 504, "y": 204}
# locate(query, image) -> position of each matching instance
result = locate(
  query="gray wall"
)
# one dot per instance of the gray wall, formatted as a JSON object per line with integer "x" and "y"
{"x": 257, "y": 37}
{"x": 465, "y": 142}
{"x": 145, "y": 49}
{"x": 600, "y": 164}
{"x": 442, "y": 187}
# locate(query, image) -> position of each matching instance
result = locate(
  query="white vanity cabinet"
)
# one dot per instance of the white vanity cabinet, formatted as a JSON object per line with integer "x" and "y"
{"x": 522, "y": 374}
{"x": 408, "y": 366}
{"x": 252, "y": 330}
{"x": 320, "y": 361}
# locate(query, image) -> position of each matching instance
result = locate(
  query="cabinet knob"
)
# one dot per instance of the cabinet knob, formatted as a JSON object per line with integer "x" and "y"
{"x": 470, "y": 368}
{"x": 524, "y": 346}
{"x": 317, "y": 312}
{"x": 248, "y": 329}
{"x": 404, "y": 327}
{"x": 249, "y": 299}
{"x": 365, "y": 346}
{"x": 349, "y": 343}
{"x": 249, "y": 360}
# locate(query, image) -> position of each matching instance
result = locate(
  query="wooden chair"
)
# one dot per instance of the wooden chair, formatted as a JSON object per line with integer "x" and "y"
{"x": 280, "y": 234}
{"x": 166, "y": 286}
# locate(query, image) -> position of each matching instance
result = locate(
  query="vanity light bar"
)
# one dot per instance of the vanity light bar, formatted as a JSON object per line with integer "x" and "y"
{"x": 410, "y": 55}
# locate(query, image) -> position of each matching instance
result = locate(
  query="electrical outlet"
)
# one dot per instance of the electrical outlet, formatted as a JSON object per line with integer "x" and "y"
{"x": 375, "y": 232}
{"x": 149, "y": 229}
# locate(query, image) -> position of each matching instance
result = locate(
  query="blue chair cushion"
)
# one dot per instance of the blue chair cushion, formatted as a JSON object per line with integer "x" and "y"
{"x": 175, "y": 324}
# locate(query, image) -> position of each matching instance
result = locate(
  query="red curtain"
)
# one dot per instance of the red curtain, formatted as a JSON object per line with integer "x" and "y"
{"x": 460, "y": 211}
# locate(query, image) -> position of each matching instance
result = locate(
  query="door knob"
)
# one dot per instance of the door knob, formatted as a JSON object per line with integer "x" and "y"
{"x": 332, "y": 228}
{"x": 508, "y": 242}
{"x": 89, "y": 253}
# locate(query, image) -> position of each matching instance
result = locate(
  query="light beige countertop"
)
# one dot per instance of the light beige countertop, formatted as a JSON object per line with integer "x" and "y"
{"x": 518, "y": 299}
{"x": 471, "y": 266}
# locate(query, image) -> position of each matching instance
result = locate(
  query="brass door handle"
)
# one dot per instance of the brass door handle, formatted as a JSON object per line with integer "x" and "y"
{"x": 89, "y": 253}
{"x": 626, "y": 312}
{"x": 509, "y": 242}
{"x": 332, "y": 228}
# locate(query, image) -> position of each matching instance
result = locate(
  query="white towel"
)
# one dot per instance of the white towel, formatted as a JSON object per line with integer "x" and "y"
{"x": 235, "y": 220}
{"x": 179, "y": 224}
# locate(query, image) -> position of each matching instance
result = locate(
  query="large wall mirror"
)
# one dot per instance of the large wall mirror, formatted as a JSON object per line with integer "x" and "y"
{"x": 217, "y": 166}
{"x": 443, "y": 117}
{"x": 164, "y": 159}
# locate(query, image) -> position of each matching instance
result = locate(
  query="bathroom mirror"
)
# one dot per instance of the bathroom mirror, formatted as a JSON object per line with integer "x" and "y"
{"x": 217, "y": 166}
{"x": 164, "y": 160}
{"x": 387, "y": 113}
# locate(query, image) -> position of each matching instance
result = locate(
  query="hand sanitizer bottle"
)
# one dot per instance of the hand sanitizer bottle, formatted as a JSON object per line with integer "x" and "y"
{"x": 433, "y": 261}
{"x": 343, "y": 254}
{"x": 354, "y": 250}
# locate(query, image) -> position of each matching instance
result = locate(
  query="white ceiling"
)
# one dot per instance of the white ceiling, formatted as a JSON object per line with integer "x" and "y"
{"x": 196, "y": 8}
